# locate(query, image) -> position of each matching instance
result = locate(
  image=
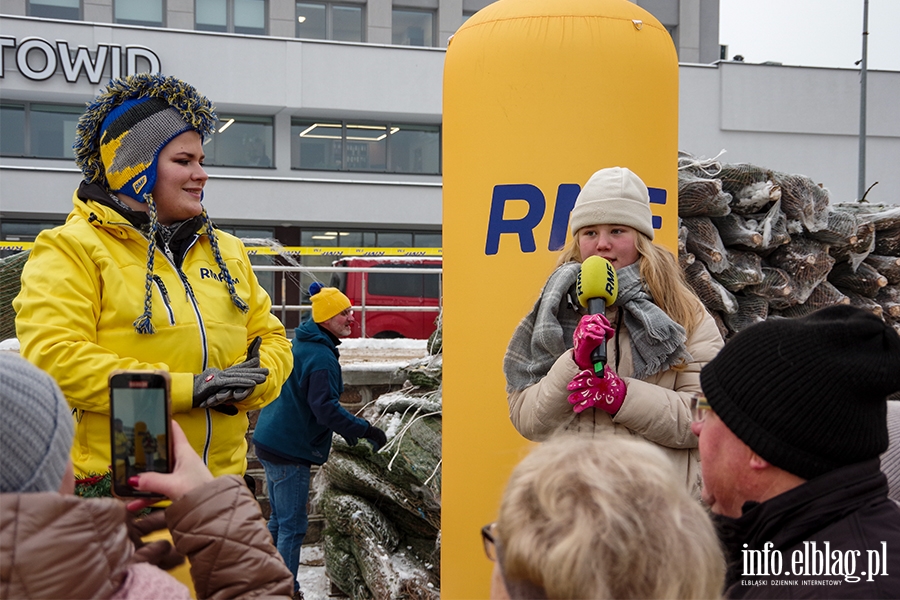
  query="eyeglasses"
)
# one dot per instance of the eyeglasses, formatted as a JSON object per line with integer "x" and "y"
{"x": 487, "y": 537}
{"x": 699, "y": 408}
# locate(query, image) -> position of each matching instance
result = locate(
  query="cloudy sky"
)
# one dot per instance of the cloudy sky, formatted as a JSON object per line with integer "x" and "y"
{"x": 818, "y": 33}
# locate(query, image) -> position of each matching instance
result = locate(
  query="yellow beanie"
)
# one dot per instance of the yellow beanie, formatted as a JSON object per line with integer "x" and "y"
{"x": 326, "y": 302}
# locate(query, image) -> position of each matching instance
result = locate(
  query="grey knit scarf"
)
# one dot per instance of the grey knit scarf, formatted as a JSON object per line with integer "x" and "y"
{"x": 657, "y": 342}
{"x": 546, "y": 332}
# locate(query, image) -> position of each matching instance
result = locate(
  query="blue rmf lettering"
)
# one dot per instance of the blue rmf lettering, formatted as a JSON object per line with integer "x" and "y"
{"x": 204, "y": 273}
{"x": 524, "y": 227}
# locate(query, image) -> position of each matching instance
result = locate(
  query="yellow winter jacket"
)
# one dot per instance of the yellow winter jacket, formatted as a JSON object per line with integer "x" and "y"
{"x": 83, "y": 287}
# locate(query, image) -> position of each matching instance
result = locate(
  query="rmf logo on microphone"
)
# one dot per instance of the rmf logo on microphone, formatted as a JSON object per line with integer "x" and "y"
{"x": 537, "y": 205}
{"x": 612, "y": 281}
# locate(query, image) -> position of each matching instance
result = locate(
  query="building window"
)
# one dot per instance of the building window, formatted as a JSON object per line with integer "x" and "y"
{"x": 316, "y": 237}
{"x": 53, "y": 130}
{"x": 382, "y": 147}
{"x": 23, "y": 231}
{"x": 38, "y": 130}
{"x": 428, "y": 240}
{"x": 416, "y": 149}
{"x": 321, "y": 21}
{"x": 241, "y": 141}
{"x": 413, "y": 27}
{"x": 139, "y": 12}
{"x": 232, "y": 16}
{"x": 55, "y": 9}
{"x": 317, "y": 145}
{"x": 369, "y": 239}
{"x": 12, "y": 124}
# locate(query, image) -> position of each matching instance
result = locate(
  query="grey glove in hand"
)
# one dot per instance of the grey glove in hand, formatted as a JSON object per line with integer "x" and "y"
{"x": 230, "y": 395}
{"x": 212, "y": 381}
{"x": 213, "y": 387}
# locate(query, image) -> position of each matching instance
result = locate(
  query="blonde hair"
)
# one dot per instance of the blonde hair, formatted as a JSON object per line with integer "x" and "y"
{"x": 605, "y": 517}
{"x": 662, "y": 276}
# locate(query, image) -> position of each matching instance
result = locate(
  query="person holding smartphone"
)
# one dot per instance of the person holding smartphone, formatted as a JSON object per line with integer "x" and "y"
{"x": 54, "y": 544}
{"x": 139, "y": 278}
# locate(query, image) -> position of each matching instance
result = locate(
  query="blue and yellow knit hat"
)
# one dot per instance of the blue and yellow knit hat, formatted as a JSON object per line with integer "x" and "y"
{"x": 120, "y": 134}
{"x": 131, "y": 138}
{"x": 118, "y": 141}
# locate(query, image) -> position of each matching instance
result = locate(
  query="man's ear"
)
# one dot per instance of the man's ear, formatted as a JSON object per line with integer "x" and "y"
{"x": 757, "y": 462}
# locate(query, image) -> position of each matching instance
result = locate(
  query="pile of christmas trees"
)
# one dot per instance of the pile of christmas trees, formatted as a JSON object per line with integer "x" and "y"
{"x": 757, "y": 243}
{"x": 383, "y": 509}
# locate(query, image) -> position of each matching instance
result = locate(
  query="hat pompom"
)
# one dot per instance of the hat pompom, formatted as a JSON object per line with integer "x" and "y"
{"x": 314, "y": 288}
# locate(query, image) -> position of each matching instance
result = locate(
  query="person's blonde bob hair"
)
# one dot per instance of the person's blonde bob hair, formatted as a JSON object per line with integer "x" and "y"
{"x": 661, "y": 274}
{"x": 605, "y": 517}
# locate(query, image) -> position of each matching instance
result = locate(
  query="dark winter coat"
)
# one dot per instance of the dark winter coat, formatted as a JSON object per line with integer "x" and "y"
{"x": 847, "y": 509}
{"x": 300, "y": 422}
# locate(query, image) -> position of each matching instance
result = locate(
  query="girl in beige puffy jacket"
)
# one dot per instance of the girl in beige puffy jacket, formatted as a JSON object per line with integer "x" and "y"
{"x": 657, "y": 333}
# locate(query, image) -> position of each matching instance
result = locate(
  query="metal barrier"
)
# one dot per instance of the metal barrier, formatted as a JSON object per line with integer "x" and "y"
{"x": 285, "y": 270}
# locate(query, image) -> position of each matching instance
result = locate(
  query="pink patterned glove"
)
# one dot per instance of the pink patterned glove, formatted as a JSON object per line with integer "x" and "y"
{"x": 590, "y": 391}
{"x": 592, "y": 331}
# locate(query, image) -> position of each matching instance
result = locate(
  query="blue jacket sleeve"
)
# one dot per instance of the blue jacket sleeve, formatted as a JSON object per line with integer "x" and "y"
{"x": 325, "y": 405}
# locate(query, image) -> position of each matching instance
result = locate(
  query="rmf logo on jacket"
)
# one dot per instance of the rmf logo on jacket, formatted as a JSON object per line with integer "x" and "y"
{"x": 218, "y": 276}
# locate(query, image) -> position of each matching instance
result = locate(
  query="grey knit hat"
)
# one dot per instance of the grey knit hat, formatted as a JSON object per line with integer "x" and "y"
{"x": 613, "y": 196}
{"x": 36, "y": 429}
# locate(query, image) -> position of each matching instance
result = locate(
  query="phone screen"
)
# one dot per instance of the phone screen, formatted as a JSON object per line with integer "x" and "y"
{"x": 139, "y": 427}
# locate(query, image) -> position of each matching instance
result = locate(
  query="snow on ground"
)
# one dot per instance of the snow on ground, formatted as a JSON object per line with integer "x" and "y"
{"x": 383, "y": 344}
{"x": 314, "y": 584}
{"x": 12, "y": 344}
{"x": 381, "y": 355}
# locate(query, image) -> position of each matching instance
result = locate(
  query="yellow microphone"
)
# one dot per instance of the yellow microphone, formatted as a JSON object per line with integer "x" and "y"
{"x": 597, "y": 287}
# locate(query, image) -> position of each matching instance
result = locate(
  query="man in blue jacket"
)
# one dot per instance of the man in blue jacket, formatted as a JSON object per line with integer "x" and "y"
{"x": 294, "y": 432}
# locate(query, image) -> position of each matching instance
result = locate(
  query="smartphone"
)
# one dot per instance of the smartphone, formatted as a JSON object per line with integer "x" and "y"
{"x": 139, "y": 428}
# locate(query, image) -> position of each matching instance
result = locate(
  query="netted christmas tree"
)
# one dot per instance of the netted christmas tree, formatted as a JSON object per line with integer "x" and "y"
{"x": 383, "y": 510}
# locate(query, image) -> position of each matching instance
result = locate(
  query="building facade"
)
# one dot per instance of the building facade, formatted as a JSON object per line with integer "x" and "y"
{"x": 330, "y": 112}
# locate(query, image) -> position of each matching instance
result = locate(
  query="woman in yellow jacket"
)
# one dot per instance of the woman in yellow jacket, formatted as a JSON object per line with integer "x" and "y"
{"x": 139, "y": 278}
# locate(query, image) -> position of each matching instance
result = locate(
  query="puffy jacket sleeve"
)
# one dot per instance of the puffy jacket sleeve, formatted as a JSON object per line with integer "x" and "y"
{"x": 220, "y": 529}
{"x": 660, "y": 412}
{"x": 275, "y": 350}
{"x": 56, "y": 320}
{"x": 539, "y": 410}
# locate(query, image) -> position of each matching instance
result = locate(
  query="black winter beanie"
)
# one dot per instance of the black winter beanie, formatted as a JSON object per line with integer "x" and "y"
{"x": 809, "y": 394}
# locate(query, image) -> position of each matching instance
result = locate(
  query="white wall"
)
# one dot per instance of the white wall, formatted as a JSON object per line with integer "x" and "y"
{"x": 798, "y": 120}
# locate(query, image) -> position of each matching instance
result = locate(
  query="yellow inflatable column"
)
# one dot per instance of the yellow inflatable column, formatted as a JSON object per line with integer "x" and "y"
{"x": 538, "y": 95}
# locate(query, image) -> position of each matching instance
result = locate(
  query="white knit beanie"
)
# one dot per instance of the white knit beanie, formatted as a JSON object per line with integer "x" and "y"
{"x": 36, "y": 429}
{"x": 613, "y": 196}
